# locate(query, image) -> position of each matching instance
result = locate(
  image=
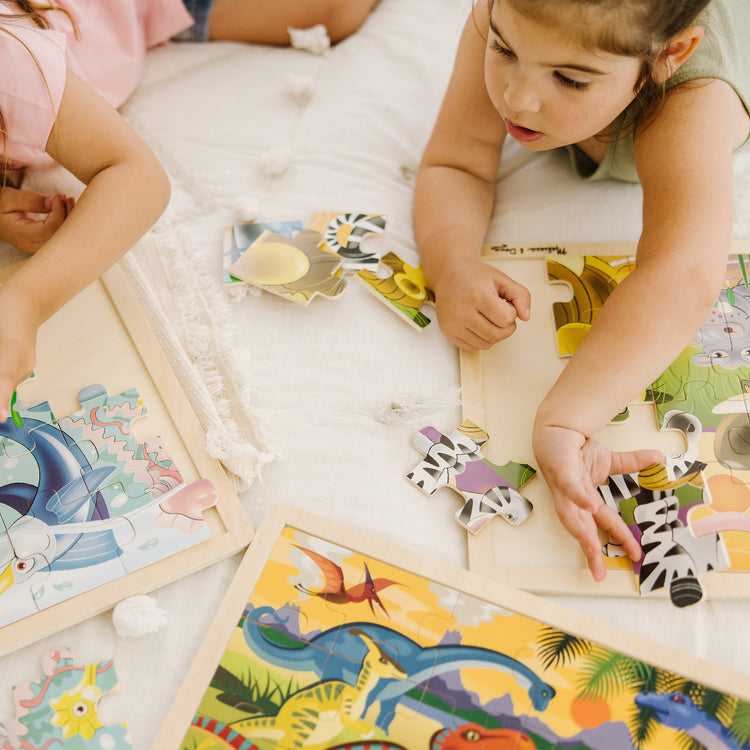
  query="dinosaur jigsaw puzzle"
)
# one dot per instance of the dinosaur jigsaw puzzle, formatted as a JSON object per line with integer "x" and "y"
{"x": 457, "y": 461}
{"x": 451, "y": 666}
{"x": 61, "y": 709}
{"x": 84, "y": 503}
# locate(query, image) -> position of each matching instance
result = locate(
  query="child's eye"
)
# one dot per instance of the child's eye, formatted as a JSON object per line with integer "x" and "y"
{"x": 570, "y": 83}
{"x": 495, "y": 46}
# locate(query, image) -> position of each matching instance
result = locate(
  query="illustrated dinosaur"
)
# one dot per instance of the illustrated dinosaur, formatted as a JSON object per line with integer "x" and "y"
{"x": 464, "y": 737}
{"x": 334, "y": 589}
{"x": 313, "y": 716}
{"x": 680, "y": 712}
{"x": 335, "y": 654}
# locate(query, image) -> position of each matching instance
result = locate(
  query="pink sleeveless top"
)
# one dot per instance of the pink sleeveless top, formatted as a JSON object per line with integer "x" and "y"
{"x": 108, "y": 53}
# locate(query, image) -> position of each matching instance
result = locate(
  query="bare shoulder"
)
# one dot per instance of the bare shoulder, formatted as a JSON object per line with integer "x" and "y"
{"x": 469, "y": 132}
{"x": 697, "y": 121}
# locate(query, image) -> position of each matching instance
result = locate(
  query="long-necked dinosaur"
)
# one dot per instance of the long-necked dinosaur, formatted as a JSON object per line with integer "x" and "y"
{"x": 336, "y": 654}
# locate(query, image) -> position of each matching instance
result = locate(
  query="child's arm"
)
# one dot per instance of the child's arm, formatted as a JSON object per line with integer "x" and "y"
{"x": 684, "y": 160}
{"x": 476, "y": 304}
{"x": 126, "y": 191}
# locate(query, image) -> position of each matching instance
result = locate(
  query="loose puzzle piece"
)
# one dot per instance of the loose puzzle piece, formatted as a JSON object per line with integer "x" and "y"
{"x": 346, "y": 233}
{"x": 87, "y": 503}
{"x": 61, "y": 709}
{"x": 239, "y": 237}
{"x": 405, "y": 290}
{"x": 457, "y": 461}
{"x": 297, "y": 269}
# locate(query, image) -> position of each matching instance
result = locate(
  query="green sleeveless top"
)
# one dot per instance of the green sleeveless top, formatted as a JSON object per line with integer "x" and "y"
{"x": 723, "y": 53}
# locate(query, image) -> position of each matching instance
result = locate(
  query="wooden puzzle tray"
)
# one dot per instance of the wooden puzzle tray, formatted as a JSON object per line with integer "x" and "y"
{"x": 503, "y": 387}
{"x": 433, "y": 655}
{"x": 189, "y": 509}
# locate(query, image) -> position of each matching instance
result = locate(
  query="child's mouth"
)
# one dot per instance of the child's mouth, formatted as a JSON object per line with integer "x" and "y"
{"x": 524, "y": 135}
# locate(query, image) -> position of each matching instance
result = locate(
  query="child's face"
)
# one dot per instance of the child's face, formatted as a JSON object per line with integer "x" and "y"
{"x": 550, "y": 91}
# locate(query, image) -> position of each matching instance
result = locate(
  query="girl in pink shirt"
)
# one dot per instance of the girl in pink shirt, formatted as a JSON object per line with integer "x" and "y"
{"x": 66, "y": 67}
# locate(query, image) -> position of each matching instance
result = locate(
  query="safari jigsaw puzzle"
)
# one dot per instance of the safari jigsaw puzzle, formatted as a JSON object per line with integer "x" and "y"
{"x": 691, "y": 513}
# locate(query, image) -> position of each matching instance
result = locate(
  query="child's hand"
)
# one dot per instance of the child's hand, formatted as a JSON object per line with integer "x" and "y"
{"x": 18, "y": 329}
{"x": 477, "y": 305}
{"x": 28, "y": 219}
{"x": 574, "y": 466}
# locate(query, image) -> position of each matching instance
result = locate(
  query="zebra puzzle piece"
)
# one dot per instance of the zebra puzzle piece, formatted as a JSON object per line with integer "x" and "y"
{"x": 61, "y": 709}
{"x": 655, "y": 503}
{"x": 456, "y": 461}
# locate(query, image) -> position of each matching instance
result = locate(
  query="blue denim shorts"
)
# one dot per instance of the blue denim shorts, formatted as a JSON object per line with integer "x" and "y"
{"x": 200, "y": 10}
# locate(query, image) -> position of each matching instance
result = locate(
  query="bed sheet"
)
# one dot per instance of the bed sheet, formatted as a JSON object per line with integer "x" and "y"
{"x": 323, "y": 378}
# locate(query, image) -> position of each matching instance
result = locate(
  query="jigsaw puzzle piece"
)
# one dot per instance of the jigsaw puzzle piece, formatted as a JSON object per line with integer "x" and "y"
{"x": 404, "y": 290}
{"x": 457, "y": 461}
{"x": 346, "y": 233}
{"x": 61, "y": 709}
{"x": 296, "y": 269}
{"x": 655, "y": 504}
{"x": 239, "y": 237}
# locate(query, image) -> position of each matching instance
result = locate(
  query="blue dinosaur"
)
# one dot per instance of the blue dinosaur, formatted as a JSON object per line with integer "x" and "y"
{"x": 336, "y": 654}
{"x": 49, "y": 532}
{"x": 680, "y": 712}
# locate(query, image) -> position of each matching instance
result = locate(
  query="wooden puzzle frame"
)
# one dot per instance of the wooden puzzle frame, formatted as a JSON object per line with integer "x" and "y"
{"x": 102, "y": 336}
{"x": 489, "y": 591}
{"x": 501, "y": 389}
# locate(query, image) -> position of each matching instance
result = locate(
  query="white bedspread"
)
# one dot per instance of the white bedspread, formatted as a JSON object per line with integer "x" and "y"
{"x": 306, "y": 387}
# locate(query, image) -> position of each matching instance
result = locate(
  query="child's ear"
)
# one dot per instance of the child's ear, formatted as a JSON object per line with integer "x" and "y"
{"x": 678, "y": 49}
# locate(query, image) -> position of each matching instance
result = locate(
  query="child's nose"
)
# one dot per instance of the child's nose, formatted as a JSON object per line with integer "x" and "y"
{"x": 521, "y": 94}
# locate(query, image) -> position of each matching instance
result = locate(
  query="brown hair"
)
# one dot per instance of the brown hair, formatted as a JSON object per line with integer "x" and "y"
{"x": 634, "y": 28}
{"x": 10, "y": 177}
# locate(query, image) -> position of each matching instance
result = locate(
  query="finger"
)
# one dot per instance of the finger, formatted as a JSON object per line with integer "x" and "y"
{"x": 26, "y": 201}
{"x": 583, "y": 529}
{"x": 498, "y": 313}
{"x": 518, "y": 296}
{"x": 611, "y": 522}
{"x": 632, "y": 461}
{"x": 56, "y": 215}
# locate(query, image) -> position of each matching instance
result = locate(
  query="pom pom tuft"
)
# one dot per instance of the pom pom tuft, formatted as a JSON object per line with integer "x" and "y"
{"x": 275, "y": 160}
{"x": 314, "y": 40}
{"x": 137, "y": 616}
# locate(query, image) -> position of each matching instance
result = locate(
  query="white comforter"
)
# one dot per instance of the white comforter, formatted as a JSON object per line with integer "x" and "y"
{"x": 323, "y": 377}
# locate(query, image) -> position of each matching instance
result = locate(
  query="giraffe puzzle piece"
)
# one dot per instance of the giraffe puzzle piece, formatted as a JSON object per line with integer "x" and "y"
{"x": 405, "y": 290}
{"x": 61, "y": 709}
{"x": 296, "y": 269}
{"x": 456, "y": 461}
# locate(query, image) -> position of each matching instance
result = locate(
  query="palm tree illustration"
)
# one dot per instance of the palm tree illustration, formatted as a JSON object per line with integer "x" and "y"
{"x": 604, "y": 673}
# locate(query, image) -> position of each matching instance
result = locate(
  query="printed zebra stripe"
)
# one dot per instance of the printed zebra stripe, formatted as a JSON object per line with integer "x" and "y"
{"x": 618, "y": 488}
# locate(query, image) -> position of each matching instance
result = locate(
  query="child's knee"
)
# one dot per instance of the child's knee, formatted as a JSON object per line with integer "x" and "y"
{"x": 344, "y": 17}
